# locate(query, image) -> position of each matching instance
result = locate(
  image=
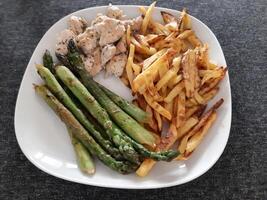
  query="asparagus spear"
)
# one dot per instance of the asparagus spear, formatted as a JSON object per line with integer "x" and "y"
{"x": 127, "y": 123}
{"x": 84, "y": 159}
{"x": 80, "y": 133}
{"x": 48, "y": 61}
{"x": 132, "y": 110}
{"x": 59, "y": 92}
{"x": 102, "y": 116}
{"x": 97, "y": 111}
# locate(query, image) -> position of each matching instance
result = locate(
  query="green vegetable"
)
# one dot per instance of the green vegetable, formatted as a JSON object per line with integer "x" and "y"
{"x": 48, "y": 61}
{"x": 89, "y": 102}
{"x": 127, "y": 123}
{"x": 80, "y": 133}
{"x": 84, "y": 160}
{"x": 132, "y": 110}
{"x": 55, "y": 87}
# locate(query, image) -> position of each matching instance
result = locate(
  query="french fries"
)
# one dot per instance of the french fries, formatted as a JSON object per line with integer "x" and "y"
{"x": 147, "y": 18}
{"x": 173, "y": 78}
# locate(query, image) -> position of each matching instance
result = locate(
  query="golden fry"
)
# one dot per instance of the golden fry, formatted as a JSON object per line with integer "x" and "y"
{"x": 128, "y": 35}
{"x": 129, "y": 69}
{"x": 195, "y": 140}
{"x": 136, "y": 69}
{"x": 152, "y": 124}
{"x": 175, "y": 80}
{"x": 158, "y": 119}
{"x": 193, "y": 39}
{"x": 147, "y": 18}
{"x": 180, "y": 117}
{"x": 187, "y": 126}
{"x": 185, "y": 34}
{"x": 156, "y": 106}
{"x": 174, "y": 92}
{"x": 147, "y": 62}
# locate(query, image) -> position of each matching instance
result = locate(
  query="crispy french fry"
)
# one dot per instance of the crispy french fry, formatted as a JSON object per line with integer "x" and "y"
{"x": 198, "y": 98}
{"x": 187, "y": 126}
{"x": 147, "y": 18}
{"x": 191, "y": 79}
{"x": 204, "y": 119}
{"x": 141, "y": 39}
{"x": 209, "y": 95}
{"x": 128, "y": 35}
{"x": 185, "y": 34}
{"x": 152, "y": 124}
{"x": 168, "y": 76}
{"x": 158, "y": 119}
{"x": 208, "y": 87}
{"x": 181, "y": 25}
{"x": 152, "y": 71}
{"x": 202, "y": 56}
{"x": 174, "y": 92}
{"x": 194, "y": 40}
{"x": 145, "y": 167}
{"x": 175, "y": 80}
{"x": 195, "y": 110}
{"x": 152, "y": 38}
{"x": 147, "y": 62}
{"x": 141, "y": 48}
{"x": 129, "y": 70}
{"x": 195, "y": 140}
{"x": 136, "y": 69}
{"x": 180, "y": 117}
{"x": 168, "y": 17}
{"x": 156, "y": 106}
{"x": 211, "y": 74}
{"x": 169, "y": 106}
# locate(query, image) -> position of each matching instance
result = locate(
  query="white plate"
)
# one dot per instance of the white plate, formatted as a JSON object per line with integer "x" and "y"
{"x": 44, "y": 141}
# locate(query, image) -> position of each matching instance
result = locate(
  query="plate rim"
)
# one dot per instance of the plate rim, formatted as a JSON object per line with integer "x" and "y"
{"x": 99, "y": 184}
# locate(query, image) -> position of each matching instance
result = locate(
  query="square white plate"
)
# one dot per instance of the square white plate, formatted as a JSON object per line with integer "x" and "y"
{"x": 43, "y": 138}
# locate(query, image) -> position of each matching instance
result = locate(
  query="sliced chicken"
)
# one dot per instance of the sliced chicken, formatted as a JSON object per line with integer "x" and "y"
{"x": 63, "y": 39}
{"x": 87, "y": 41}
{"x": 97, "y": 67}
{"x": 88, "y": 62}
{"x": 110, "y": 31}
{"x": 116, "y": 65}
{"x": 134, "y": 23}
{"x": 77, "y": 24}
{"x": 107, "y": 53}
{"x": 121, "y": 47}
{"x": 99, "y": 18}
{"x": 114, "y": 12}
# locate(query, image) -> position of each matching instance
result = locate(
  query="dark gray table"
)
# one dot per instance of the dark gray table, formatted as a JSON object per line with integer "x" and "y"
{"x": 241, "y": 28}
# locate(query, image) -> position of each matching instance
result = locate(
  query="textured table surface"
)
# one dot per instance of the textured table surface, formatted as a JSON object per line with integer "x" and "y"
{"x": 240, "y": 173}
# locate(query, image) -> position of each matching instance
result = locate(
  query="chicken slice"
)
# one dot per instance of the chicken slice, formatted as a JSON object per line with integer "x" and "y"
{"x": 134, "y": 23}
{"x": 110, "y": 30}
{"x": 99, "y": 18}
{"x": 87, "y": 41}
{"x": 107, "y": 53}
{"x": 121, "y": 47}
{"x": 77, "y": 24}
{"x": 88, "y": 62}
{"x": 116, "y": 65}
{"x": 63, "y": 39}
{"x": 114, "y": 12}
{"x": 97, "y": 67}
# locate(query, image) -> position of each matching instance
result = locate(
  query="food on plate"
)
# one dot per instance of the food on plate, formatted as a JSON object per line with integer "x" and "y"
{"x": 166, "y": 67}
